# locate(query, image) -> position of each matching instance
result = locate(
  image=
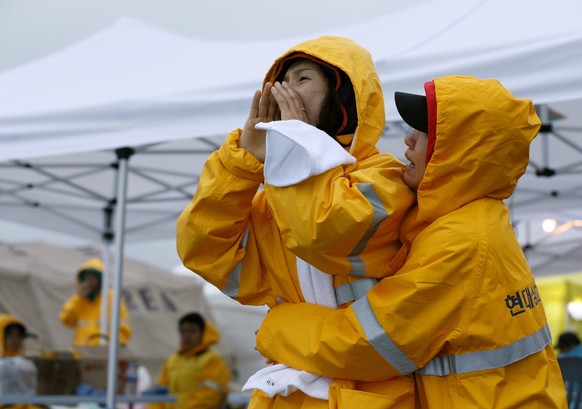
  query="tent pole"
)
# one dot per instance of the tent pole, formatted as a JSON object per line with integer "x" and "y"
{"x": 545, "y": 118}
{"x": 104, "y": 294}
{"x": 107, "y": 239}
{"x": 123, "y": 155}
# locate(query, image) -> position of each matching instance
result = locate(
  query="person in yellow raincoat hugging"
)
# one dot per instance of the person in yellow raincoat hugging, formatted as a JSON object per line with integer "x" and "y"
{"x": 299, "y": 205}
{"x": 463, "y": 312}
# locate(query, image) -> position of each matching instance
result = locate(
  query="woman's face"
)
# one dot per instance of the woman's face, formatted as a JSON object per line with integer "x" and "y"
{"x": 417, "y": 143}
{"x": 306, "y": 79}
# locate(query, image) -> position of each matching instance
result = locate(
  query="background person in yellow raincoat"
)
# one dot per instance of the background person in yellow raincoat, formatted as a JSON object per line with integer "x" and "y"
{"x": 18, "y": 375}
{"x": 196, "y": 374}
{"x": 463, "y": 312}
{"x": 82, "y": 310}
{"x": 330, "y": 204}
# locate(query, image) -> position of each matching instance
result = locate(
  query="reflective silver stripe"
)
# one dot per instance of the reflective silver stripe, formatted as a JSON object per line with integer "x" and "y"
{"x": 379, "y": 339}
{"x": 496, "y": 358}
{"x": 210, "y": 384}
{"x": 233, "y": 279}
{"x": 353, "y": 291}
{"x": 358, "y": 268}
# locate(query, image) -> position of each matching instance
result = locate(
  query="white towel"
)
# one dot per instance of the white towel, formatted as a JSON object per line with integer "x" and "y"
{"x": 296, "y": 151}
{"x": 282, "y": 380}
{"x": 317, "y": 288}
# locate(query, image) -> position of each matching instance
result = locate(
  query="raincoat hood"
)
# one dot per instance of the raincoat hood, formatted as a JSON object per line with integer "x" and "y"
{"x": 5, "y": 321}
{"x": 210, "y": 336}
{"x": 481, "y": 135}
{"x": 357, "y": 64}
{"x": 93, "y": 265}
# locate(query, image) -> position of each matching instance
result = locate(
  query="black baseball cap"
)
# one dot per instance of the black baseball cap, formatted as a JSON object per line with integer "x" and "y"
{"x": 413, "y": 110}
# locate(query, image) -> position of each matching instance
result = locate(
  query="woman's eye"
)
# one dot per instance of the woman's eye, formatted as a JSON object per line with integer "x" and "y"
{"x": 303, "y": 78}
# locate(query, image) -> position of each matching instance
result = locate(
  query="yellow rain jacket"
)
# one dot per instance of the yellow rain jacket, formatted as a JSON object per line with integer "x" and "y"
{"x": 345, "y": 221}
{"x": 84, "y": 314}
{"x": 463, "y": 313}
{"x": 5, "y": 321}
{"x": 198, "y": 377}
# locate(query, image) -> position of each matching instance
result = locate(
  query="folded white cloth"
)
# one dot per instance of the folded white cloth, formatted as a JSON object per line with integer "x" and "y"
{"x": 282, "y": 380}
{"x": 296, "y": 151}
{"x": 317, "y": 288}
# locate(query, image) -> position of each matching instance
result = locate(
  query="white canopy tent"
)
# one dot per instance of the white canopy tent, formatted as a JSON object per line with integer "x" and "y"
{"x": 133, "y": 85}
{"x": 172, "y": 99}
{"x": 136, "y": 85}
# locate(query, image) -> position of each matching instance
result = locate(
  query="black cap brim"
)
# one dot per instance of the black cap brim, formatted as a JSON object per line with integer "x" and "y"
{"x": 413, "y": 110}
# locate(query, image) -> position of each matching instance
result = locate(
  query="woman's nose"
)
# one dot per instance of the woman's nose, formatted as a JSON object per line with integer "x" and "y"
{"x": 409, "y": 140}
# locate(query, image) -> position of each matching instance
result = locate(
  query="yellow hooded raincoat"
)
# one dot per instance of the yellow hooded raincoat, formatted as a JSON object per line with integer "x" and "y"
{"x": 198, "y": 377}
{"x": 463, "y": 312}
{"x": 345, "y": 221}
{"x": 5, "y": 321}
{"x": 84, "y": 315}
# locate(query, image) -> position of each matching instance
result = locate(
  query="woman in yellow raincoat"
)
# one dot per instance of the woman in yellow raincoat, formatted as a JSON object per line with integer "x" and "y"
{"x": 325, "y": 226}
{"x": 463, "y": 313}
{"x": 82, "y": 311}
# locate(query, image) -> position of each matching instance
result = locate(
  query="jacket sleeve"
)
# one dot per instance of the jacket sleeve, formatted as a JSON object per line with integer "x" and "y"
{"x": 162, "y": 380}
{"x": 212, "y": 388}
{"x": 403, "y": 321}
{"x": 69, "y": 314}
{"x": 216, "y": 233}
{"x": 346, "y": 220}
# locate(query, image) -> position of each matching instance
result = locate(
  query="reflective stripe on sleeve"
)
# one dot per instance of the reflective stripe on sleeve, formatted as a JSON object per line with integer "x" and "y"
{"x": 354, "y": 290}
{"x": 496, "y": 358}
{"x": 358, "y": 268}
{"x": 210, "y": 384}
{"x": 379, "y": 339}
{"x": 233, "y": 278}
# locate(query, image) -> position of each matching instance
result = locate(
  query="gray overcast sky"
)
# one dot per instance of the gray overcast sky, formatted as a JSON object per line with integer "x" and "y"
{"x": 31, "y": 29}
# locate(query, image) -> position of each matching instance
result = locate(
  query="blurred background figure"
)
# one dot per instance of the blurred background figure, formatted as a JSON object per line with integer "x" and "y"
{"x": 18, "y": 375}
{"x": 569, "y": 344}
{"x": 13, "y": 336}
{"x": 82, "y": 311}
{"x": 196, "y": 374}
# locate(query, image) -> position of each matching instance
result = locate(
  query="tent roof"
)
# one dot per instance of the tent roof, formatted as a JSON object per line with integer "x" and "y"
{"x": 133, "y": 83}
{"x": 173, "y": 98}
